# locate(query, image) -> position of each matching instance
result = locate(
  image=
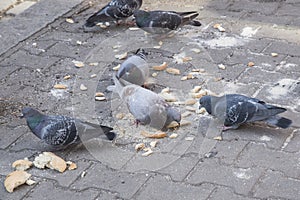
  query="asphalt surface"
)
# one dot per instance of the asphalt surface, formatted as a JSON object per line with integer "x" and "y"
{"x": 39, "y": 48}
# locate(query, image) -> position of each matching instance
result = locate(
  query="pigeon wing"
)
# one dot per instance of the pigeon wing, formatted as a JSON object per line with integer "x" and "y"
{"x": 60, "y": 130}
{"x": 239, "y": 113}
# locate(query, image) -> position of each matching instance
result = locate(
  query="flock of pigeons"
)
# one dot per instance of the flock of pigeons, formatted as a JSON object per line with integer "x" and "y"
{"x": 147, "y": 107}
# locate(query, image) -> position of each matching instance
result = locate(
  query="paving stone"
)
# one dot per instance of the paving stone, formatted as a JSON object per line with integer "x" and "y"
{"x": 180, "y": 168}
{"x": 183, "y": 191}
{"x": 276, "y": 184}
{"x": 42, "y": 191}
{"x": 20, "y": 7}
{"x": 30, "y": 141}
{"x": 223, "y": 193}
{"x": 38, "y": 47}
{"x": 64, "y": 179}
{"x": 243, "y": 57}
{"x": 10, "y": 157}
{"x": 154, "y": 162}
{"x": 75, "y": 52}
{"x": 257, "y": 75}
{"x": 108, "y": 195}
{"x": 291, "y": 64}
{"x": 283, "y": 91}
{"x": 124, "y": 183}
{"x": 272, "y": 137}
{"x": 288, "y": 9}
{"x": 228, "y": 151}
{"x": 18, "y": 193}
{"x": 254, "y": 7}
{"x": 240, "y": 179}
{"x": 293, "y": 145}
{"x": 8, "y": 138}
{"x": 270, "y": 19}
{"x": 270, "y": 159}
{"x": 108, "y": 154}
{"x": 23, "y": 26}
{"x": 24, "y": 59}
{"x": 218, "y": 5}
{"x": 70, "y": 38}
{"x": 284, "y": 48}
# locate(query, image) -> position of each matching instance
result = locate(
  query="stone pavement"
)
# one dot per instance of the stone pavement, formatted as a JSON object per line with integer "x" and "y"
{"x": 254, "y": 162}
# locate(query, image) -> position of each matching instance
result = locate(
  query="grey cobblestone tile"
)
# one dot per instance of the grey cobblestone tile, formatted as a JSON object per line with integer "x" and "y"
{"x": 63, "y": 179}
{"x": 228, "y": 151}
{"x": 10, "y": 157}
{"x": 180, "y": 168}
{"x": 288, "y": 9}
{"x": 271, "y": 159}
{"x": 124, "y": 183}
{"x": 23, "y": 26}
{"x": 254, "y": 7}
{"x": 223, "y": 193}
{"x": 9, "y": 137}
{"x": 18, "y": 193}
{"x": 240, "y": 179}
{"x": 286, "y": 48}
{"x": 182, "y": 190}
{"x": 24, "y": 59}
{"x": 294, "y": 143}
{"x": 41, "y": 191}
{"x": 274, "y": 184}
{"x": 154, "y": 162}
{"x": 272, "y": 137}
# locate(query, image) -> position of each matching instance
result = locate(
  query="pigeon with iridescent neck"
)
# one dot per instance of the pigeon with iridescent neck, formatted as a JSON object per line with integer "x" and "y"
{"x": 58, "y": 130}
{"x": 235, "y": 110}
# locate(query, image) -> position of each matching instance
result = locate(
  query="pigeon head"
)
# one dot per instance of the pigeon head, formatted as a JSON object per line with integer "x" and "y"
{"x": 205, "y": 102}
{"x": 28, "y": 112}
{"x": 173, "y": 115}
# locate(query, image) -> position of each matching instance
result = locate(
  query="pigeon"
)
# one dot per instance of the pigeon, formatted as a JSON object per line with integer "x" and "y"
{"x": 135, "y": 69}
{"x": 59, "y": 131}
{"x": 164, "y": 22}
{"x": 147, "y": 107}
{"x": 114, "y": 11}
{"x": 236, "y": 109}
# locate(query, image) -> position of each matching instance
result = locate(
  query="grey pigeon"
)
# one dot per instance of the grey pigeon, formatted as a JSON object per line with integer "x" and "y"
{"x": 114, "y": 11}
{"x": 147, "y": 107}
{"x": 60, "y": 130}
{"x": 135, "y": 69}
{"x": 164, "y": 22}
{"x": 236, "y": 109}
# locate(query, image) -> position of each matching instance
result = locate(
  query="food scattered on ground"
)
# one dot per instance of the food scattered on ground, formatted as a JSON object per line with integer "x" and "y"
{"x": 22, "y": 165}
{"x": 157, "y": 135}
{"x": 50, "y": 160}
{"x": 15, "y": 179}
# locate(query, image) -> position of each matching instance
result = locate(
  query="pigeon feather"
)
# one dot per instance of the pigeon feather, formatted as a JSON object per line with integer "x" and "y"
{"x": 164, "y": 22}
{"x": 236, "y": 109}
{"x": 58, "y": 130}
{"x": 114, "y": 11}
{"x": 147, "y": 107}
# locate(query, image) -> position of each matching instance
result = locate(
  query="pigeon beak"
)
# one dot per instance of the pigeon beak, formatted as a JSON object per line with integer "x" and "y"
{"x": 21, "y": 115}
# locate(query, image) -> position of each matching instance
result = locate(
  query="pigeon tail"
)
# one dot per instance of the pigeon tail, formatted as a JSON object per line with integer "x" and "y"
{"x": 274, "y": 110}
{"x": 279, "y": 122}
{"x": 89, "y": 24}
{"x": 108, "y": 132}
{"x": 195, "y": 23}
{"x": 188, "y": 17}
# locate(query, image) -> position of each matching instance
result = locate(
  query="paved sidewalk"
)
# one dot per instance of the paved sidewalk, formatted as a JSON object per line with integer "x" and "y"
{"x": 38, "y": 49}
